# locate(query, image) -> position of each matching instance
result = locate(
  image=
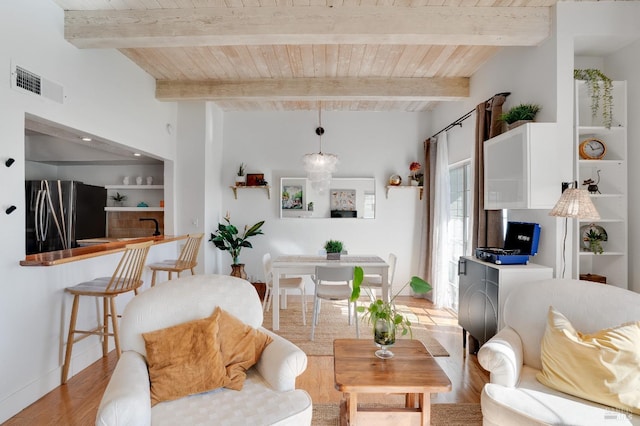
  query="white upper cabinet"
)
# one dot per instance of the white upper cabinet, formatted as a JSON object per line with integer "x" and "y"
{"x": 522, "y": 169}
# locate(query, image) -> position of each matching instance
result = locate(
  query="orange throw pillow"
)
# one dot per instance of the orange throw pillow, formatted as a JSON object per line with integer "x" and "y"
{"x": 185, "y": 359}
{"x": 241, "y": 346}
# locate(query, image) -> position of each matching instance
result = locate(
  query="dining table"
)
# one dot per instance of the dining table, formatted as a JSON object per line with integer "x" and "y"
{"x": 290, "y": 264}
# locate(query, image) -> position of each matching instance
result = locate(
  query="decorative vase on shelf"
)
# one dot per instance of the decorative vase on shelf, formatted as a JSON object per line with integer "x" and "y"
{"x": 149, "y": 180}
{"x": 241, "y": 180}
{"x": 384, "y": 335}
{"x": 395, "y": 180}
{"x": 139, "y": 180}
{"x": 125, "y": 181}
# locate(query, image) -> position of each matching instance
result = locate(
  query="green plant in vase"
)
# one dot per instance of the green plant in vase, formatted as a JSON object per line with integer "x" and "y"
{"x": 228, "y": 238}
{"x": 595, "y": 239}
{"x": 384, "y": 316}
{"x": 118, "y": 199}
{"x": 241, "y": 179}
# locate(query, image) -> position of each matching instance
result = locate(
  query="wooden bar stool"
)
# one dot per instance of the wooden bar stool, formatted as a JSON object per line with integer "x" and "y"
{"x": 125, "y": 278}
{"x": 188, "y": 259}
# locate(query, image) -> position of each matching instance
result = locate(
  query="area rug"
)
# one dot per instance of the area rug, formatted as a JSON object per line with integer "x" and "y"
{"x": 334, "y": 324}
{"x": 467, "y": 414}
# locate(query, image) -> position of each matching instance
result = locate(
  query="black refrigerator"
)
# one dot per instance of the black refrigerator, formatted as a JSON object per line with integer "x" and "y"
{"x": 61, "y": 212}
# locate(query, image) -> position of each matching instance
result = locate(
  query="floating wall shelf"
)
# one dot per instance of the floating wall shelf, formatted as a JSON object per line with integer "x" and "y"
{"x": 235, "y": 189}
{"x": 390, "y": 187}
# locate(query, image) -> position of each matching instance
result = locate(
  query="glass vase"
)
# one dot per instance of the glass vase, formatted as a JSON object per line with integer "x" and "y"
{"x": 384, "y": 335}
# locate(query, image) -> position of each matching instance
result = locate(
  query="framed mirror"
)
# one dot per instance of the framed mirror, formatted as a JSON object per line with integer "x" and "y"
{"x": 353, "y": 198}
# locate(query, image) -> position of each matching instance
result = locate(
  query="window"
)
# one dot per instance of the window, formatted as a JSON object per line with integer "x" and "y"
{"x": 459, "y": 209}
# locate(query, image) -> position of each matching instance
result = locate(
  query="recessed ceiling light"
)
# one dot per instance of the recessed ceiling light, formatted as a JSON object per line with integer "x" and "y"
{"x": 87, "y": 139}
{"x": 137, "y": 154}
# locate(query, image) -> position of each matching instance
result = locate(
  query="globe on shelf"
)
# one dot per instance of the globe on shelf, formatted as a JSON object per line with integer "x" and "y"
{"x": 395, "y": 180}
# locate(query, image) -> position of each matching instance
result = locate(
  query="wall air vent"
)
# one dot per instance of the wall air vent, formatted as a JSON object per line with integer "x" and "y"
{"x": 25, "y": 80}
{"x": 28, "y": 80}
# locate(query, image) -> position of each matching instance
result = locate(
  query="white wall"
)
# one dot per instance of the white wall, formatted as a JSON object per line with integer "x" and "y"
{"x": 625, "y": 65}
{"x": 105, "y": 95}
{"x": 368, "y": 145}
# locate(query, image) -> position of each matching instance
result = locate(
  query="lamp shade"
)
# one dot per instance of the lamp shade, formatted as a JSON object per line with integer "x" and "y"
{"x": 319, "y": 167}
{"x": 575, "y": 203}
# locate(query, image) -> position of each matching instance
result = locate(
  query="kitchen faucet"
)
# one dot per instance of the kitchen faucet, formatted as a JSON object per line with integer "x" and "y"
{"x": 157, "y": 231}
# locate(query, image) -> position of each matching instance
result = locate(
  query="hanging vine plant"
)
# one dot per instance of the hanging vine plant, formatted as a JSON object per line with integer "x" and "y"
{"x": 599, "y": 87}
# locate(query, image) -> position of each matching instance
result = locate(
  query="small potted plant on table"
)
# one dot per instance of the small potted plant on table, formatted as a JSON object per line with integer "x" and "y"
{"x": 383, "y": 315}
{"x": 333, "y": 249}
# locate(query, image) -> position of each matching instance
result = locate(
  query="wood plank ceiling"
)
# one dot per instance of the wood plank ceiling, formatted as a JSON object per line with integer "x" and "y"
{"x": 359, "y": 55}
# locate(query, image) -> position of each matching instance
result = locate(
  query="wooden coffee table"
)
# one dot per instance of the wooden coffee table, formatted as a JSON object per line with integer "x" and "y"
{"x": 412, "y": 371}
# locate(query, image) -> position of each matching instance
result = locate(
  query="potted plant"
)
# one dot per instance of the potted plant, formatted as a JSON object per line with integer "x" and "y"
{"x": 520, "y": 114}
{"x": 227, "y": 238}
{"x": 241, "y": 179}
{"x": 333, "y": 249}
{"x": 599, "y": 88}
{"x": 118, "y": 199}
{"x": 593, "y": 238}
{"x": 384, "y": 317}
{"x": 414, "y": 168}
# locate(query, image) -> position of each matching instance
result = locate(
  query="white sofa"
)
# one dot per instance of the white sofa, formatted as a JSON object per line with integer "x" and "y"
{"x": 512, "y": 356}
{"x": 268, "y": 397}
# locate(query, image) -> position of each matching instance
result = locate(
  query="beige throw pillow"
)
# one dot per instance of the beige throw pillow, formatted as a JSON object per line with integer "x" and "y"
{"x": 602, "y": 367}
{"x": 241, "y": 346}
{"x": 185, "y": 359}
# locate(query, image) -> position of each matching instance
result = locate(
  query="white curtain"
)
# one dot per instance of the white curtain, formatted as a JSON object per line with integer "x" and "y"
{"x": 442, "y": 252}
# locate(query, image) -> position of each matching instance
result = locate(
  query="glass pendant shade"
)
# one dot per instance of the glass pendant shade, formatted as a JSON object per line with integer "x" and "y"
{"x": 320, "y": 166}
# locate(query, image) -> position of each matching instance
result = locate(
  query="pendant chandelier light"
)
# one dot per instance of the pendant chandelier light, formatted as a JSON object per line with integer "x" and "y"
{"x": 319, "y": 166}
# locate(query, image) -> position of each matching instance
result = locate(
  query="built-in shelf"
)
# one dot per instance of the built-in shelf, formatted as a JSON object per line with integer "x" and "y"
{"x": 419, "y": 188}
{"x": 611, "y": 175}
{"x": 604, "y": 253}
{"x": 134, "y": 186}
{"x": 266, "y": 188}
{"x": 134, "y": 209}
{"x": 137, "y": 194}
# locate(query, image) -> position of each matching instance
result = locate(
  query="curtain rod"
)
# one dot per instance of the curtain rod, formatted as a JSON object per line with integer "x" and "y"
{"x": 459, "y": 121}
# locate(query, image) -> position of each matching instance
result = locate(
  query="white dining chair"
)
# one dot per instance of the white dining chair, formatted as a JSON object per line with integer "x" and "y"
{"x": 289, "y": 283}
{"x": 333, "y": 283}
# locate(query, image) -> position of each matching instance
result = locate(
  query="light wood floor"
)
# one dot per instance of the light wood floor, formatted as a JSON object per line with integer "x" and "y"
{"x": 76, "y": 403}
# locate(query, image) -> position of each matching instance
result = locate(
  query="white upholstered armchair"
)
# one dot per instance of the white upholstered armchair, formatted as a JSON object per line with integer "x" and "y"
{"x": 513, "y": 356}
{"x": 268, "y": 397}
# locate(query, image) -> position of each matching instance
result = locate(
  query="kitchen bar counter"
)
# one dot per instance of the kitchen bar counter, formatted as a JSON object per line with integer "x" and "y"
{"x": 93, "y": 250}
